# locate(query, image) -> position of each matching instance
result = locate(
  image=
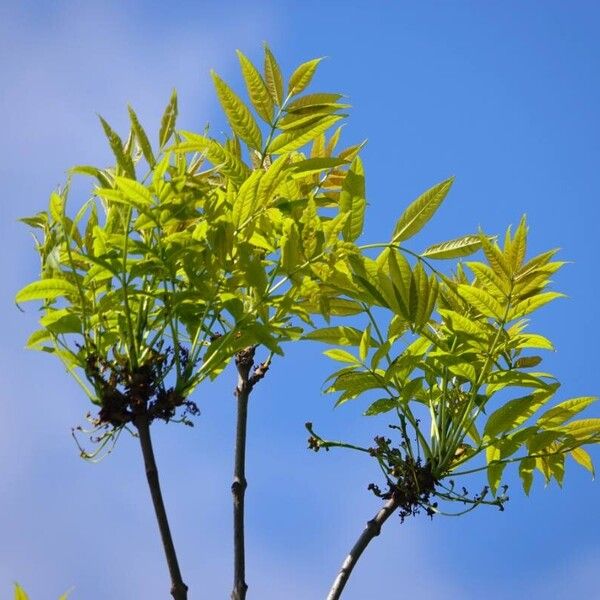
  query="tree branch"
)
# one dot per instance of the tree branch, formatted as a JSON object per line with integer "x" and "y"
{"x": 244, "y": 361}
{"x": 178, "y": 587}
{"x": 372, "y": 530}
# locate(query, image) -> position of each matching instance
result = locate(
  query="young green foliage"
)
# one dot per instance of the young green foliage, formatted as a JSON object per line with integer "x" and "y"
{"x": 457, "y": 349}
{"x": 201, "y": 250}
{"x": 197, "y": 251}
{"x": 450, "y": 355}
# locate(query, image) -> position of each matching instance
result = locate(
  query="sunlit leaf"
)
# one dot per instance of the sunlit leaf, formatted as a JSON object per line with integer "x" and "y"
{"x": 341, "y": 335}
{"x": 528, "y": 306}
{"x": 240, "y": 118}
{"x": 515, "y": 412}
{"x": 353, "y": 202}
{"x": 134, "y": 191}
{"x": 495, "y": 257}
{"x": 526, "y": 362}
{"x": 20, "y": 593}
{"x": 312, "y": 100}
{"x": 381, "y": 406}
{"x": 246, "y": 199}
{"x": 257, "y": 89}
{"x": 302, "y": 76}
{"x": 519, "y": 246}
{"x": 418, "y": 213}
{"x": 167, "y": 123}
{"x": 141, "y": 137}
{"x": 341, "y": 356}
{"x": 584, "y": 459}
{"x": 123, "y": 160}
{"x": 273, "y": 77}
{"x": 46, "y": 289}
{"x": 564, "y": 411}
{"x": 292, "y": 140}
{"x": 457, "y": 248}
{"x": 484, "y": 302}
{"x": 526, "y": 469}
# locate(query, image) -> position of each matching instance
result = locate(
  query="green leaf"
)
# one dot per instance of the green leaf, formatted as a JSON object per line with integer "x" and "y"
{"x": 420, "y": 211}
{"x": 141, "y": 138}
{"x": 526, "y": 468}
{"x": 167, "y": 123}
{"x": 340, "y": 307}
{"x": 401, "y": 276}
{"x": 411, "y": 389}
{"x": 56, "y": 207}
{"x": 134, "y": 191}
{"x": 352, "y": 201}
{"x": 530, "y": 304}
{"x": 526, "y": 362}
{"x": 257, "y": 89}
{"x": 38, "y": 221}
{"x": 341, "y": 335}
{"x": 92, "y": 172}
{"x": 341, "y": 356}
{"x": 515, "y": 412}
{"x": 494, "y": 474}
{"x": 65, "y": 323}
{"x": 584, "y": 459}
{"x": 20, "y": 593}
{"x": 456, "y": 248}
{"x": 585, "y": 431}
{"x": 365, "y": 342}
{"x": 316, "y": 165}
{"x": 272, "y": 178}
{"x": 354, "y": 383}
{"x": 309, "y": 116}
{"x": 313, "y": 100}
{"x": 426, "y": 301}
{"x": 228, "y": 163}
{"x": 532, "y": 340}
{"x": 246, "y": 199}
{"x": 564, "y": 411}
{"x": 302, "y": 76}
{"x": 460, "y": 324}
{"x": 484, "y": 302}
{"x": 273, "y": 77}
{"x": 381, "y": 406}
{"x": 36, "y": 338}
{"x": 519, "y": 246}
{"x": 495, "y": 257}
{"x": 489, "y": 280}
{"x": 123, "y": 160}
{"x": 292, "y": 140}
{"x": 240, "y": 118}
{"x": 498, "y": 380}
{"x": 46, "y": 289}
{"x": 542, "y": 441}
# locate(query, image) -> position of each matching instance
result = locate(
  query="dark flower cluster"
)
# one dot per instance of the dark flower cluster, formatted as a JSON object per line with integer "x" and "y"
{"x": 126, "y": 393}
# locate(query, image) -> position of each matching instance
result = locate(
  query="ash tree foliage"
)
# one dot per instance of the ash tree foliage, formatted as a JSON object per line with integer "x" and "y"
{"x": 193, "y": 252}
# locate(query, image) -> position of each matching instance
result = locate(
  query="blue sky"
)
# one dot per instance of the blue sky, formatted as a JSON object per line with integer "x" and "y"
{"x": 504, "y": 95}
